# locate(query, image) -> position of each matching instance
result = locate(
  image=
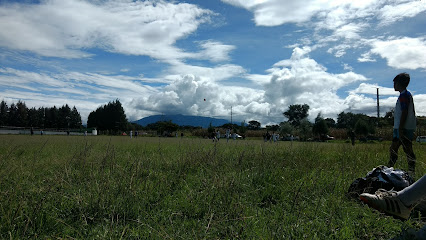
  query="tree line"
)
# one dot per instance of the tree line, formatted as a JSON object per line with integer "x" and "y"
{"x": 111, "y": 118}
{"x": 19, "y": 115}
{"x": 360, "y": 124}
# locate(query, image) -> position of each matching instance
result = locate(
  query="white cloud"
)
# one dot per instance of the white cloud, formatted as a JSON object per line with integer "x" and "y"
{"x": 300, "y": 80}
{"x": 339, "y": 50}
{"x": 79, "y": 29}
{"x": 214, "y": 51}
{"x": 359, "y": 103}
{"x": 365, "y": 88}
{"x": 364, "y": 100}
{"x": 214, "y": 73}
{"x": 277, "y": 12}
{"x": 393, "y": 13}
{"x": 420, "y": 108}
{"x": 86, "y": 91}
{"x": 23, "y": 79}
{"x": 402, "y": 53}
{"x": 341, "y": 20}
{"x": 366, "y": 57}
{"x": 64, "y": 29}
{"x": 347, "y": 67}
{"x": 186, "y": 96}
{"x": 351, "y": 30}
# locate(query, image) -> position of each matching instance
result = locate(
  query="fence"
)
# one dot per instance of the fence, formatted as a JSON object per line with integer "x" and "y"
{"x": 27, "y": 131}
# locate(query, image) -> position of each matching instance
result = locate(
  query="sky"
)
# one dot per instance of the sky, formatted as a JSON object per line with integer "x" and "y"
{"x": 251, "y": 59}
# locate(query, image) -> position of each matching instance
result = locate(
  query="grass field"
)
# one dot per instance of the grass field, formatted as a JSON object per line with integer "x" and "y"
{"x": 157, "y": 188}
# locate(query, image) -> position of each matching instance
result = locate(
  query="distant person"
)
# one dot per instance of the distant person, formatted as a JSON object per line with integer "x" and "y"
{"x": 352, "y": 137}
{"x": 41, "y": 132}
{"x": 218, "y": 135}
{"x": 131, "y": 134}
{"x": 136, "y": 134}
{"x": 181, "y": 135}
{"x": 228, "y": 133}
{"x": 213, "y": 136}
{"x": 267, "y": 136}
{"x": 396, "y": 203}
{"x": 404, "y": 123}
{"x": 32, "y": 131}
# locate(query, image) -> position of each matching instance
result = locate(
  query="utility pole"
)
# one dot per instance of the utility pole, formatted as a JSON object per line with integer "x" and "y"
{"x": 378, "y": 106}
{"x": 231, "y": 114}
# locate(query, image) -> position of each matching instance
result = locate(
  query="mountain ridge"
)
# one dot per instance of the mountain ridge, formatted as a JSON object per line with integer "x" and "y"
{"x": 183, "y": 120}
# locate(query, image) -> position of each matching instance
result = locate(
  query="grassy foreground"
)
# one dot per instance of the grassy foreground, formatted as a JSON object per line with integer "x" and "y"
{"x": 156, "y": 188}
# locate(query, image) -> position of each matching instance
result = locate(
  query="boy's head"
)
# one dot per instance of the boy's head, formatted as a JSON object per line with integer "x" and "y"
{"x": 403, "y": 79}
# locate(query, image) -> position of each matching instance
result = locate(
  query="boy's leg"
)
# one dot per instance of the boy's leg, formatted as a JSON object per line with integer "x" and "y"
{"x": 407, "y": 145}
{"x": 414, "y": 193}
{"x": 393, "y": 150}
{"x": 397, "y": 203}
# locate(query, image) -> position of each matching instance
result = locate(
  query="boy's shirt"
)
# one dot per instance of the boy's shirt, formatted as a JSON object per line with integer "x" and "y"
{"x": 405, "y": 102}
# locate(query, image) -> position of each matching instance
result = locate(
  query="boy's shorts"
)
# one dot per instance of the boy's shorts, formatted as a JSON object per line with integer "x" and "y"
{"x": 408, "y": 133}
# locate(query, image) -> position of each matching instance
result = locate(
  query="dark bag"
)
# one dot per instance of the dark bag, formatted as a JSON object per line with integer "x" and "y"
{"x": 380, "y": 177}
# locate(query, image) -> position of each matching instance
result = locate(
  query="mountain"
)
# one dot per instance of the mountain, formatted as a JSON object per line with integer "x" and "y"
{"x": 183, "y": 120}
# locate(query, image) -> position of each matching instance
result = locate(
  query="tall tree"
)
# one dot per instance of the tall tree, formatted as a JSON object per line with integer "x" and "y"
{"x": 305, "y": 129}
{"x": 75, "y": 118}
{"x": 41, "y": 113}
{"x": 13, "y": 115}
{"x": 51, "y": 117}
{"x": 4, "y": 113}
{"x": 253, "y": 125}
{"x": 320, "y": 126}
{"x": 286, "y": 128}
{"x": 33, "y": 118}
{"x": 361, "y": 128}
{"x": 346, "y": 120}
{"x": 108, "y": 117}
{"x": 296, "y": 113}
{"x": 330, "y": 122}
{"x": 22, "y": 114}
{"x": 64, "y": 116}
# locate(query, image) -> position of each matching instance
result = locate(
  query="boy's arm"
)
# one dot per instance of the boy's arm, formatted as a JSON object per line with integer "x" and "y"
{"x": 404, "y": 115}
{"x": 405, "y": 102}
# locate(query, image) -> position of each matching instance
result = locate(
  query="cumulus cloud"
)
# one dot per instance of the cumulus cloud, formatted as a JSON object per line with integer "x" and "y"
{"x": 363, "y": 99}
{"x": 365, "y": 88}
{"x": 214, "y": 73}
{"x": 402, "y": 53}
{"x": 191, "y": 95}
{"x": 301, "y": 79}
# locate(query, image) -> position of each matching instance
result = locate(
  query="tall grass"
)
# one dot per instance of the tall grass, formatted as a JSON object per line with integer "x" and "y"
{"x": 157, "y": 188}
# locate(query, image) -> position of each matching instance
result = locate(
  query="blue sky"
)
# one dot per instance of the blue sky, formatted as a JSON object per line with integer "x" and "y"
{"x": 256, "y": 56}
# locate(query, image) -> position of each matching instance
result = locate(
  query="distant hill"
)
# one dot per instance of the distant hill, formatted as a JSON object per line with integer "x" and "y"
{"x": 183, "y": 120}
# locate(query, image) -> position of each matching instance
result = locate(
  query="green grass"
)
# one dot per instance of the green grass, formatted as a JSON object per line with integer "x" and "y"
{"x": 157, "y": 188}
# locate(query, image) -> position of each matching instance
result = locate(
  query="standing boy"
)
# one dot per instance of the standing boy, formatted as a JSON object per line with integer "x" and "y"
{"x": 404, "y": 123}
